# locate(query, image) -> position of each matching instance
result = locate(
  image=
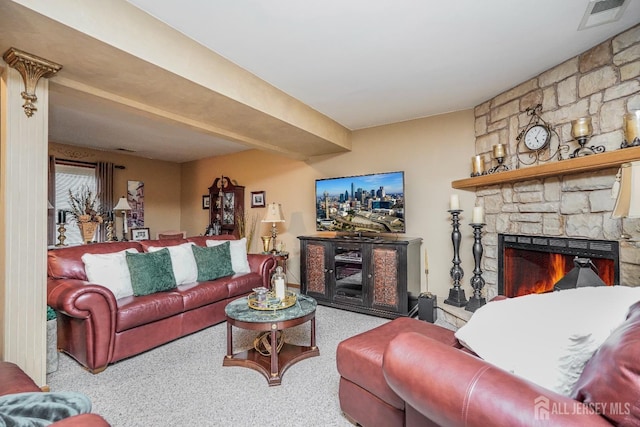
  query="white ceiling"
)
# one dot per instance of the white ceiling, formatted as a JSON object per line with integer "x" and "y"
{"x": 371, "y": 62}
{"x": 363, "y": 63}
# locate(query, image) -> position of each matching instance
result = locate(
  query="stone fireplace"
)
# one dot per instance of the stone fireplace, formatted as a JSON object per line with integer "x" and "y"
{"x": 529, "y": 264}
{"x": 601, "y": 83}
{"x": 570, "y": 207}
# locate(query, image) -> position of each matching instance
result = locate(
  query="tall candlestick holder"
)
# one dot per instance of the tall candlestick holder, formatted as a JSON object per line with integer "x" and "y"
{"x": 477, "y": 282}
{"x": 456, "y": 294}
{"x": 61, "y": 236}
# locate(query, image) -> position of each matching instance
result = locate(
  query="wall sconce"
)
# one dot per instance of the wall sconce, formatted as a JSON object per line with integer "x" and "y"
{"x": 274, "y": 214}
{"x": 628, "y": 197}
{"x": 631, "y": 129}
{"x": 499, "y": 153}
{"x": 581, "y": 131}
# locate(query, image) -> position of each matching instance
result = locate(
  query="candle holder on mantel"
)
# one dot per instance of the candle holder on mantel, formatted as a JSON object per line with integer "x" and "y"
{"x": 631, "y": 129}
{"x": 581, "y": 131}
{"x": 456, "y": 294}
{"x": 499, "y": 153}
{"x": 477, "y": 282}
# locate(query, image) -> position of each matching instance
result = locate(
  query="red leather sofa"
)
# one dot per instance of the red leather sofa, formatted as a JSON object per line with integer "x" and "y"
{"x": 411, "y": 373}
{"x": 14, "y": 380}
{"x": 96, "y": 329}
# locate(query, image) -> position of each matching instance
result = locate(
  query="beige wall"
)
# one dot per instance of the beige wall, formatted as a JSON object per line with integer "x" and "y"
{"x": 161, "y": 184}
{"x": 431, "y": 151}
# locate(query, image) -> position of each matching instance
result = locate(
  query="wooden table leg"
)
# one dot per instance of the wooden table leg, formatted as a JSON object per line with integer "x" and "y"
{"x": 313, "y": 333}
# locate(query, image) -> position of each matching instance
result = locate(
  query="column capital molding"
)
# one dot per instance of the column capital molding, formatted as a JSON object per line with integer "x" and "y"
{"x": 31, "y": 68}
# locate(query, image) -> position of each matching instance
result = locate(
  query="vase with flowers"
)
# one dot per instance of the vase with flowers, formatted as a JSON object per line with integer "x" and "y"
{"x": 85, "y": 211}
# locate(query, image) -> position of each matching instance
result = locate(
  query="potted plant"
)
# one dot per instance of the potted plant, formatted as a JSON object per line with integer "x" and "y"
{"x": 85, "y": 211}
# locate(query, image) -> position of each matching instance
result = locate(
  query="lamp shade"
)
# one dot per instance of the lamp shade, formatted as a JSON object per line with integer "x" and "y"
{"x": 628, "y": 200}
{"x": 274, "y": 213}
{"x": 122, "y": 205}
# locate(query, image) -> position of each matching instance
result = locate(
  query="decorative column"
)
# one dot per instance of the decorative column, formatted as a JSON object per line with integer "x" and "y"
{"x": 23, "y": 212}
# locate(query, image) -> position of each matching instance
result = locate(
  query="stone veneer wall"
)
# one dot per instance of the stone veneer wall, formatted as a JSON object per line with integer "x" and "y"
{"x": 602, "y": 83}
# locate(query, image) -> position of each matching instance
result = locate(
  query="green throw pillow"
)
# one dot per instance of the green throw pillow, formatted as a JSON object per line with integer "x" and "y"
{"x": 151, "y": 272}
{"x": 213, "y": 262}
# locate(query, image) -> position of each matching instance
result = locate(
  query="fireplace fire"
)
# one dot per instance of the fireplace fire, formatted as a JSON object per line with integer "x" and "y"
{"x": 535, "y": 264}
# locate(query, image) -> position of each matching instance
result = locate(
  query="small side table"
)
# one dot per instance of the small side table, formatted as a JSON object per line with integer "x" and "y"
{"x": 239, "y": 314}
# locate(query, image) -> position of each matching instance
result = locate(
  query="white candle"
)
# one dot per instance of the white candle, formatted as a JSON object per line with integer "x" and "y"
{"x": 280, "y": 288}
{"x": 454, "y": 203}
{"x": 478, "y": 215}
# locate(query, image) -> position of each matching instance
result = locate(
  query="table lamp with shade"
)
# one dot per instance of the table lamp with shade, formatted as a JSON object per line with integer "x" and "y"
{"x": 274, "y": 214}
{"x": 628, "y": 193}
{"x": 123, "y": 206}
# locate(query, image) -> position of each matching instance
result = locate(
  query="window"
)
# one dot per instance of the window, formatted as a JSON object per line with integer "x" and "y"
{"x": 72, "y": 177}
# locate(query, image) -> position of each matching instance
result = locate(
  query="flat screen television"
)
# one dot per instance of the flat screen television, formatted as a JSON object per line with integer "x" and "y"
{"x": 372, "y": 203}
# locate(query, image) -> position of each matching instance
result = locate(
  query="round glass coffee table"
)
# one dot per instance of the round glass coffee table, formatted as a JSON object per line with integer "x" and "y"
{"x": 272, "y": 366}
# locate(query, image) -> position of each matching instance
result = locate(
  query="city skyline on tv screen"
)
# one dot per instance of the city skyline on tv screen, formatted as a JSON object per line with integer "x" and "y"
{"x": 361, "y": 203}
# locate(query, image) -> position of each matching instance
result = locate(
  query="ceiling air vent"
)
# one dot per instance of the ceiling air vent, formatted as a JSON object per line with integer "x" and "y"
{"x": 601, "y": 12}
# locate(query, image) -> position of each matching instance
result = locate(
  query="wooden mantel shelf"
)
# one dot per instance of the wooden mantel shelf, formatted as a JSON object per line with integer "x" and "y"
{"x": 563, "y": 167}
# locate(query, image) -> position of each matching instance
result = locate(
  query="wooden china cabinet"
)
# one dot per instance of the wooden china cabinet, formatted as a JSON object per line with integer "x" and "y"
{"x": 379, "y": 276}
{"x": 226, "y": 204}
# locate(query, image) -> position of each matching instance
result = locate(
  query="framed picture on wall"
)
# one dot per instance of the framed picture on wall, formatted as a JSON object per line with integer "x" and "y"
{"x": 141, "y": 233}
{"x": 206, "y": 202}
{"x": 135, "y": 197}
{"x": 258, "y": 199}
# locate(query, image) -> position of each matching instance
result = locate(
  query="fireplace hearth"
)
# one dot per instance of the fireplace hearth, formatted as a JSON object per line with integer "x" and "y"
{"x": 529, "y": 264}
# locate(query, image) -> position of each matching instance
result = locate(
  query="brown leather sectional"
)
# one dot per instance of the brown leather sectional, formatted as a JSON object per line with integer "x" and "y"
{"x": 96, "y": 329}
{"x": 411, "y": 373}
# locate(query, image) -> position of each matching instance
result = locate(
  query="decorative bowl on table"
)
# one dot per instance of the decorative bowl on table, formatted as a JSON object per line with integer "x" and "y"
{"x": 257, "y": 302}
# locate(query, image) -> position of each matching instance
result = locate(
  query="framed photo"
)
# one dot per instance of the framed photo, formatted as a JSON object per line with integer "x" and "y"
{"x": 206, "y": 202}
{"x": 141, "y": 233}
{"x": 258, "y": 199}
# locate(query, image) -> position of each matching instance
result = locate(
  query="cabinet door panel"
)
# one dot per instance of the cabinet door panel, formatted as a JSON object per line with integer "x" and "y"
{"x": 385, "y": 277}
{"x": 316, "y": 269}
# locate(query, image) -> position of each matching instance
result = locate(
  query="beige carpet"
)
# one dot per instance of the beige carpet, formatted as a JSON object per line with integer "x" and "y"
{"x": 183, "y": 383}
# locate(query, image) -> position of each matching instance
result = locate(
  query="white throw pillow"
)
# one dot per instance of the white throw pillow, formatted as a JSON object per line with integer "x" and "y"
{"x": 182, "y": 261}
{"x": 239, "y": 261}
{"x": 547, "y": 338}
{"x": 111, "y": 271}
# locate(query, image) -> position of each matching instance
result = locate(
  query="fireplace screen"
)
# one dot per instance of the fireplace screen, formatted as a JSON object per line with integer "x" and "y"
{"x": 535, "y": 264}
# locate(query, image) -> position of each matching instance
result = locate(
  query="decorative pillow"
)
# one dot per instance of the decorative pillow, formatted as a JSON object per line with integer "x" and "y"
{"x": 213, "y": 262}
{"x": 151, "y": 272}
{"x": 110, "y": 271}
{"x": 614, "y": 367}
{"x": 184, "y": 265}
{"x": 41, "y": 409}
{"x": 239, "y": 261}
{"x": 547, "y": 338}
